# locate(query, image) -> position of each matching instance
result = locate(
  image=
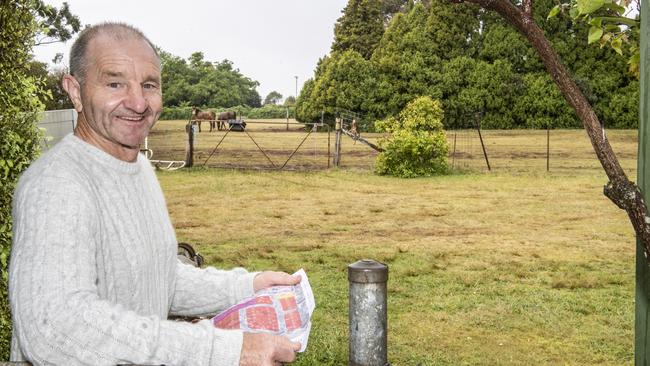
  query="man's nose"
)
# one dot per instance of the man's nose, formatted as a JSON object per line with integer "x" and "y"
{"x": 135, "y": 100}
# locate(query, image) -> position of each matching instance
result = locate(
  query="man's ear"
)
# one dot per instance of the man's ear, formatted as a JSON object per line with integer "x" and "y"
{"x": 73, "y": 88}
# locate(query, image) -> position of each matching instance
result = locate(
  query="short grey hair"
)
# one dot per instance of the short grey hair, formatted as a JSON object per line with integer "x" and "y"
{"x": 115, "y": 30}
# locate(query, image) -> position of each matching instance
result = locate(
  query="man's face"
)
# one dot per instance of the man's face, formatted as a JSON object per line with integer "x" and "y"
{"x": 121, "y": 95}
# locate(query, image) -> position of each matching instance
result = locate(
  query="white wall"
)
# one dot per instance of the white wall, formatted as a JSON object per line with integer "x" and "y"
{"x": 57, "y": 124}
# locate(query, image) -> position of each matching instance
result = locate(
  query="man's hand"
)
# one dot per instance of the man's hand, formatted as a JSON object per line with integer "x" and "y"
{"x": 262, "y": 349}
{"x": 270, "y": 278}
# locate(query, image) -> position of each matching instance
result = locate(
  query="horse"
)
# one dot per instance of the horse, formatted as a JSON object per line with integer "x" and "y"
{"x": 198, "y": 116}
{"x": 224, "y": 117}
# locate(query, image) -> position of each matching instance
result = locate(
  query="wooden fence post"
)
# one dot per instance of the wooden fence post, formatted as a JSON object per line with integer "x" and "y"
{"x": 189, "y": 148}
{"x": 642, "y": 316}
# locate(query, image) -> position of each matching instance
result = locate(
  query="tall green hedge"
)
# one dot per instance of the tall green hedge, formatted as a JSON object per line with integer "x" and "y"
{"x": 19, "y": 134}
{"x": 268, "y": 111}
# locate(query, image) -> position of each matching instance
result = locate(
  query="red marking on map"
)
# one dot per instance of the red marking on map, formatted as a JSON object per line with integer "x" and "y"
{"x": 264, "y": 300}
{"x": 288, "y": 302}
{"x": 262, "y": 317}
{"x": 230, "y": 321}
{"x": 292, "y": 320}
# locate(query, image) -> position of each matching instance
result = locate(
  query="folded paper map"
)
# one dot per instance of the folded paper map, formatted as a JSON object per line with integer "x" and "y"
{"x": 283, "y": 310}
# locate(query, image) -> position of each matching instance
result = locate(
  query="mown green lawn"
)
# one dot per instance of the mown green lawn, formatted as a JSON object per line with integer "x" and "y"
{"x": 510, "y": 267}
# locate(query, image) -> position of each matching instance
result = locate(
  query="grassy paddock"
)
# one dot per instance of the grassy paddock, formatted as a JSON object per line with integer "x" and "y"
{"x": 513, "y": 267}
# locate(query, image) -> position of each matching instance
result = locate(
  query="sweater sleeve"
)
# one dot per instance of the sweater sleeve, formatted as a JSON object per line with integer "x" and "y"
{"x": 58, "y": 315}
{"x": 206, "y": 291}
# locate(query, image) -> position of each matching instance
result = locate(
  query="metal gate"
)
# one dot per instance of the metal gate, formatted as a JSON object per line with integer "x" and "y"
{"x": 270, "y": 145}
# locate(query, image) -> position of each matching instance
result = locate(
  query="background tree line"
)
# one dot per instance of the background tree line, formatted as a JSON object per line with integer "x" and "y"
{"x": 476, "y": 65}
{"x": 191, "y": 82}
{"x": 201, "y": 83}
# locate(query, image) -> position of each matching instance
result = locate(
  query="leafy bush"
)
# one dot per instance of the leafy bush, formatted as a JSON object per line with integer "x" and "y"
{"x": 19, "y": 133}
{"x": 270, "y": 111}
{"x": 173, "y": 113}
{"x": 417, "y": 145}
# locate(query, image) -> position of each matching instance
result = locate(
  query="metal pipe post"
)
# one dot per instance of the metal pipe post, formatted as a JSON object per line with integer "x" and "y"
{"x": 367, "y": 313}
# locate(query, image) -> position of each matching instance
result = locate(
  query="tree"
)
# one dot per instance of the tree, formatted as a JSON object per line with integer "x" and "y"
{"x": 344, "y": 81}
{"x": 391, "y": 7}
{"x": 359, "y": 28}
{"x": 541, "y": 105}
{"x": 609, "y": 24}
{"x": 290, "y": 101}
{"x": 56, "y": 25}
{"x": 273, "y": 98}
{"x": 252, "y": 98}
{"x": 477, "y": 91}
{"x": 414, "y": 48}
{"x": 56, "y": 97}
{"x": 306, "y": 111}
{"x": 19, "y": 134}
{"x": 501, "y": 42}
{"x": 624, "y": 193}
{"x": 477, "y": 66}
{"x": 406, "y": 61}
{"x": 599, "y": 72}
{"x": 202, "y": 83}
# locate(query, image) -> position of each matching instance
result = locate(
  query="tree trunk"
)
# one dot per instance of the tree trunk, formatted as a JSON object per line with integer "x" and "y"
{"x": 624, "y": 193}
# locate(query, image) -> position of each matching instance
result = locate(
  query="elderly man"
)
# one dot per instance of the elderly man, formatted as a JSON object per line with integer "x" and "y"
{"x": 94, "y": 273}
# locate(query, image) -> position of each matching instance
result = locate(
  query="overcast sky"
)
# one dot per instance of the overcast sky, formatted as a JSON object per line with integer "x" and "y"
{"x": 268, "y": 41}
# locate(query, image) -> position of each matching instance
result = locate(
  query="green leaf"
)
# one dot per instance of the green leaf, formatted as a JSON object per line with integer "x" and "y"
{"x": 605, "y": 39}
{"x": 554, "y": 12}
{"x": 615, "y": 7}
{"x": 594, "y": 34}
{"x": 596, "y": 21}
{"x": 616, "y": 45}
{"x": 589, "y": 6}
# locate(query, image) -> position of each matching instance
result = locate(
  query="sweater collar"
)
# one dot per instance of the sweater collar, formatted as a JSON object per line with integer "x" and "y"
{"x": 103, "y": 158}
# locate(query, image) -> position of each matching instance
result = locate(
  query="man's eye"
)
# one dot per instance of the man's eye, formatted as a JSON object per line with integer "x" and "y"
{"x": 150, "y": 86}
{"x": 113, "y": 85}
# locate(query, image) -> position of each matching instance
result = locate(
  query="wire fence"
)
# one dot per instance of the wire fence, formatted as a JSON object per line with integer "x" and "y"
{"x": 262, "y": 144}
{"x": 269, "y": 144}
{"x": 287, "y": 144}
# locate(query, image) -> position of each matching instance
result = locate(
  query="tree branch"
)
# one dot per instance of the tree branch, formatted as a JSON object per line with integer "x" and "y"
{"x": 527, "y": 7}
{"x": 40, "y": 43}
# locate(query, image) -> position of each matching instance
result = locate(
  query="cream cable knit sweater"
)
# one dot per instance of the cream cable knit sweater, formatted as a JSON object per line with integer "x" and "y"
{"x": 94, "y": 273}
